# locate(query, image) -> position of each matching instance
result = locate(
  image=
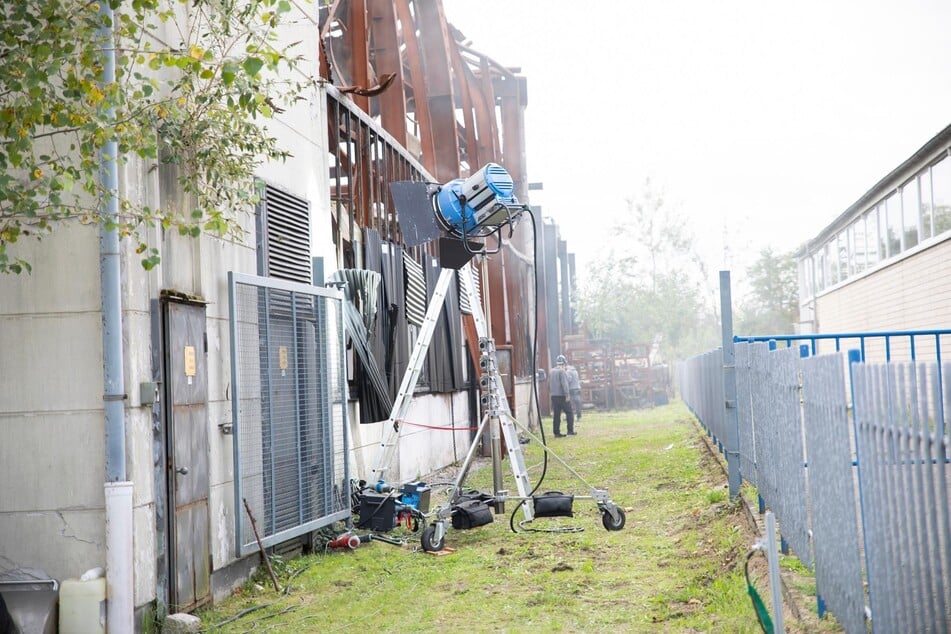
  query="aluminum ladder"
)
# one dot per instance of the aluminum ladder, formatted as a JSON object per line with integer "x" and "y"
{"x": 497, "y": 418}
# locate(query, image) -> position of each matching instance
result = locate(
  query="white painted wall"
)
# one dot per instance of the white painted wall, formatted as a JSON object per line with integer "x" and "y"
{"x": 910, "y": 294}
{"x": 422, "y": 449}
{"x": 51, "y": 421}
{"x": 51, "y": 415}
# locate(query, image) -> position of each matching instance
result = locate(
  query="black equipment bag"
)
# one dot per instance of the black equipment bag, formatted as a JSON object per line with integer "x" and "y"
{"x": 553, "y": 504}
{"x": 471, "y": 514}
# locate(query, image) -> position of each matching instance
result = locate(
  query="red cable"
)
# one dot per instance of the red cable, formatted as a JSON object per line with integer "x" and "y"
{"x": 439, "y": 428}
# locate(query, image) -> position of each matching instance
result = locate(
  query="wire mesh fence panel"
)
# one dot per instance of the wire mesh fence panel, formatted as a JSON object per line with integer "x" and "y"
{"x": 834, "y": 520}
{"x": 289, "y": 409}
{"x": 903, "y": 477}
{"x": 744, "y": 413}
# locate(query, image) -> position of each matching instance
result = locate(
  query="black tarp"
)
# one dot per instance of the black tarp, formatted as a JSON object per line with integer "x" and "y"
{"x": 395, "y": 330}
{"x": 372, "y": 407}
{"x": 445, "y": 351}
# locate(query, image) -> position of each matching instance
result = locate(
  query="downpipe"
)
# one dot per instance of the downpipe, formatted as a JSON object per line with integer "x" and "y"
{"x": 118, "y": 490}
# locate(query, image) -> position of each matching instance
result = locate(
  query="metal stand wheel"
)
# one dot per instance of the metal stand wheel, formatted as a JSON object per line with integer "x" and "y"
{"x": 613, "y": 519}
{"x": 434, "y": 537}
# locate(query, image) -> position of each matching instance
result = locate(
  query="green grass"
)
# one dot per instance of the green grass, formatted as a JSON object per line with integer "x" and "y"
{"x": 675, "y": 567}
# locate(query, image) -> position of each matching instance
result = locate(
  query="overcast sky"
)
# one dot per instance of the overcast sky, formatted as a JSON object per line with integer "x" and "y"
{"x": 761, "y": 120}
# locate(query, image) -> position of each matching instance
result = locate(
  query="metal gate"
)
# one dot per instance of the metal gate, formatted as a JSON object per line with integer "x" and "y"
{"x": 289, "y": 408}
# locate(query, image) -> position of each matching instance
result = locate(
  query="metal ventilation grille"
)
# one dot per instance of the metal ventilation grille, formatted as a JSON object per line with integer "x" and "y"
{"x": 287, "y": 246}
{"x": 289, "y": 409}
{"x": 415, "y": 291}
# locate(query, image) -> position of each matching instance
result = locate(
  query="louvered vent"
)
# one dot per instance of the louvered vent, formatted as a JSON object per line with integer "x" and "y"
{"x": 415, "y": 290}
{"x": 287, "y": 236}
{"x": 464, "y": 305}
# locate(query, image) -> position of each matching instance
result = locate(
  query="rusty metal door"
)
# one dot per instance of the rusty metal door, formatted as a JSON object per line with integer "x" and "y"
{"x": 187, "y": 454}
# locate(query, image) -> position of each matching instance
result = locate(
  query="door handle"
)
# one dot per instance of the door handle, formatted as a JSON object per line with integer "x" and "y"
{"x": 182, "y": 470}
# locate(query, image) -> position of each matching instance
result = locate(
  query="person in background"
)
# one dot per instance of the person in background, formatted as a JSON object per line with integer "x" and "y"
{"x": 559, "y": 391}
{"x": 574, "y": 390}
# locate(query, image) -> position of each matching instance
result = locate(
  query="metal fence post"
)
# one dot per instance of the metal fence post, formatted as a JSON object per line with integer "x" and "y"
{"x": 856, "y": 356}
{"x": 820, "y": 603}
{"x": 730, "y": 419}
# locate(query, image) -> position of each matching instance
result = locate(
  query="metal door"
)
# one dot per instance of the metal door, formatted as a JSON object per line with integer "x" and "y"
{"x": 186, "y": 375}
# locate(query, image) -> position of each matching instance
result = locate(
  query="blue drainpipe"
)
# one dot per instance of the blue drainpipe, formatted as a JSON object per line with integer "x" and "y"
{"x": 111, "y": 281}
{"x": 118, "y": 491}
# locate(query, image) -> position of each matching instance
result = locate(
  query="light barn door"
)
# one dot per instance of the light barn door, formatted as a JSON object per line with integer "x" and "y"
{"x": 187, "y": 384}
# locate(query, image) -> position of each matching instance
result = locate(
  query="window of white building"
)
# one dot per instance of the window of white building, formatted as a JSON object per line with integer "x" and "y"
{"x": 910, "y": 214}
{"x": 941, "y": 191}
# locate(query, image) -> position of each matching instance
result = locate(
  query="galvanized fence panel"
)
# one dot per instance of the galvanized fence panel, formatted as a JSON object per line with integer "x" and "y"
{"x": 768, "y": 441}
{"x": 903, "y": 471}
{"x": 783, "y": 425}
{"x": 873, "y": 492}
{"x": 832, "y": 492}
{"x": 289, "y": 408}
{"x": 744, "y": 414}
{"x": 704, "y": 396}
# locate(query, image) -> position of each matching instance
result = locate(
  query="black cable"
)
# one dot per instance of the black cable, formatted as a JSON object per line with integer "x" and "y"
{"x": 538, "y": 408}
{"x": 261, "y": 606}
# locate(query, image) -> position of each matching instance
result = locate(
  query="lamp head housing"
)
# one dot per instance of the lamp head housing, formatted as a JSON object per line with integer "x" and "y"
{"x": 458, "y": 213}
{"x": 479, "y": 205}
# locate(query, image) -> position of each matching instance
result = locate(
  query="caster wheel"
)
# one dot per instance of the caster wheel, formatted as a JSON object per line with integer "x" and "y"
{"x": 610, "y": 523}
{"x": 427, "y": 540}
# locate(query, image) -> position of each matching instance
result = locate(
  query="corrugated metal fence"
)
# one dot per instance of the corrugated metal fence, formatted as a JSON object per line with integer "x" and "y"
{"x": 289, "y": 408}
{"x": 861, "y": 492}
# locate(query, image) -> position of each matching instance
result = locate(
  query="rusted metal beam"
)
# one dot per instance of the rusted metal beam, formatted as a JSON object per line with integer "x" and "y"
{"x": 514, "y": 100}
{"x": 495, "y": 290}
{"x": 489, "y": 145}
{"x": 462, "y": 74}
{"x": 387, "y": 59}
{"x": 357, "y": 38}
{"x": 415, "y": 62}
{"x": 434, "y": 36}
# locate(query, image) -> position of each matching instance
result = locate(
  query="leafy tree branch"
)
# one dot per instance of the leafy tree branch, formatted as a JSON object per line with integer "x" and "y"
{"x": 198, "y": 106}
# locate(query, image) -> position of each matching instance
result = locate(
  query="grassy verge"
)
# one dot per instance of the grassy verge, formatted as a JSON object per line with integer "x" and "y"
{"x": 677, "y": 566}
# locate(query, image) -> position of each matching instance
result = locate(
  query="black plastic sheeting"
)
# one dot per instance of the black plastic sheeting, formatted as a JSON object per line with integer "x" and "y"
{"x": 446, "y": 350}
{"x": 387, "y": 335}
{"x": 360, "y": 315}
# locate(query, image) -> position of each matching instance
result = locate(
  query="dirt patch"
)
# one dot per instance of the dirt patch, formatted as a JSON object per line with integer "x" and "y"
{"x": 798, "y": 588}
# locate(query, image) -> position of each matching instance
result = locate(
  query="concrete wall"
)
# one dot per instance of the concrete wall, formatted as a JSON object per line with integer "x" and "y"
{"x": 51, "y": 420}
{"x": 51, "y": 415}
{"x": 422, "y": 449}
{"x": 525, "y": 411}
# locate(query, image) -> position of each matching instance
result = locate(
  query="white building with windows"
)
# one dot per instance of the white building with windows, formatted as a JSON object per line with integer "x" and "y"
{"x": 883, "y": 264}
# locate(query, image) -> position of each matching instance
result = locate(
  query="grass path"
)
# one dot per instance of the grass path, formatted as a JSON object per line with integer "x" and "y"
{"x": 677, "y": 566}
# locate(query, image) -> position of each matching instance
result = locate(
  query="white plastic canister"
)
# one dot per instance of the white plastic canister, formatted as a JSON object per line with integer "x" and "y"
{"x": 82, "y": 606}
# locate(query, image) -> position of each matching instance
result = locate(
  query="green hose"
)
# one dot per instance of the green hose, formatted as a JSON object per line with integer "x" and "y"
{"x": 762, "y": 614}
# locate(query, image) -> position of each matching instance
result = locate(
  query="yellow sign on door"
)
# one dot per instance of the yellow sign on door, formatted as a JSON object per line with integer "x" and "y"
{"x": 191, "y": 362}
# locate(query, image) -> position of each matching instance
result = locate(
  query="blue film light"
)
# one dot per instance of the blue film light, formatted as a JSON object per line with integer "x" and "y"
{"x": 479, "y": 204}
